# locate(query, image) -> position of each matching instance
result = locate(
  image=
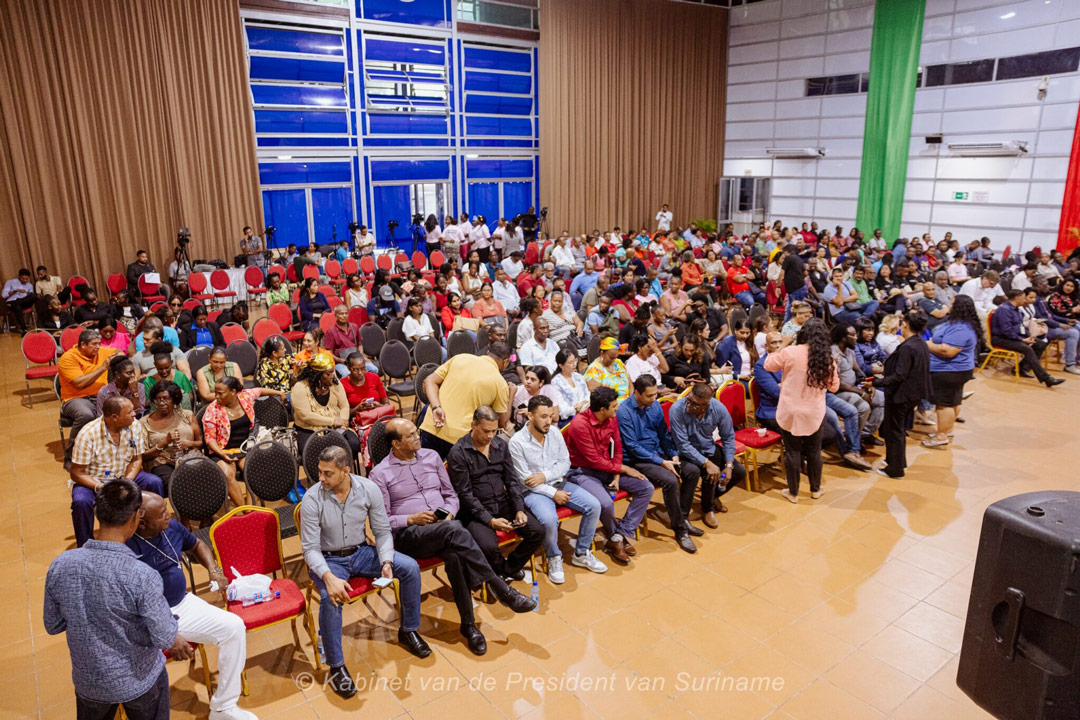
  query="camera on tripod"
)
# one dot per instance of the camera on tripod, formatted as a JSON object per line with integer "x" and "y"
{"x": 354, "y": 226}
{"x": 183, "y": 237}
{"x": 392, "y": 225}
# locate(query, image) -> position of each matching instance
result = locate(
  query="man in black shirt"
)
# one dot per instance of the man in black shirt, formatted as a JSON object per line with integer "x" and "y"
{"x": 528, "y": 223}
{"x": 793, "y": 271}
{"x": 713, "y": 316}
{"x": 137, "y": 269}
{"x": 491, "y": 494}
{"x": 638, "y": 324}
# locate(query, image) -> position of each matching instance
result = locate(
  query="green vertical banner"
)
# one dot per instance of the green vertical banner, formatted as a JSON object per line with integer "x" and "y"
{"x": 894, "y": 68}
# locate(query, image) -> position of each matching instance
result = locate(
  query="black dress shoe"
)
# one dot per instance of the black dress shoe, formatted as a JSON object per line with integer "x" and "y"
{"x": 872, "y": 441}
{"x": 513, "y": 599}
{"x": 1052, "y": 381}
{"x": 474, "y": 638}
{"x": 341, "y": 682}
{"x": 411, "y": 641}
{"x": 685, "y": 543}
{"x": 694, "y": 530}
{"x": 516, "y": 576}
{"x": 1025, "y": 373}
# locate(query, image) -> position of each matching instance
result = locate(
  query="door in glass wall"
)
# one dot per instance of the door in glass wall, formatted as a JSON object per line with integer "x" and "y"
{"x": 287, "y": 212}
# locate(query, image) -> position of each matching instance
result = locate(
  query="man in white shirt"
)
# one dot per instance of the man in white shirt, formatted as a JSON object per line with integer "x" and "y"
{"x": 983, "y": 290}
{"x": 513, "y": 265}
{"x": 539, "y": 350}
{"x": 364, "y": 241}
{"x": 561, "y": 255}
{"x": 505, "y": 291}
{"x": 1046, "y": 269}
{"x": 877, "y": 242}
{"x": 663, "y": 219}
{"x": 541, "y": 459}
{"x": 480, "y": 238}
{"x": 1023, "y": 277}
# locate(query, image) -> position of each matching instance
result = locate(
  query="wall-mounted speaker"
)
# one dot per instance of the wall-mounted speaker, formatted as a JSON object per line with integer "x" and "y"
{"x": 1020, "y": 658}
{"x": 933, "y": 139}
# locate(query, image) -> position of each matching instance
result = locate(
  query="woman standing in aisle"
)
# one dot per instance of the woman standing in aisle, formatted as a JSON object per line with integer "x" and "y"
{"x": 906, "y": 382}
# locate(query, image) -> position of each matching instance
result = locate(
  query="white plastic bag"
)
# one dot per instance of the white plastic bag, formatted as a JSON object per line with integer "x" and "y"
{"x": 248, "y": 588}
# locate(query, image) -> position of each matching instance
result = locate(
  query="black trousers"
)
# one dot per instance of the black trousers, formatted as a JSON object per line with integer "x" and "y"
{"x": 892, "y": 432}
{"x": 431, "y": 442}
{"x": 18, "y": 306}
{"x": 1028, "y": 352}
{"x": 151, "y": 705}
{"x": 531, "y": 534}
{"x": 669, "y": 485}
{"x": 691, "y": 473}
{"x": 466, "y": 567}
{"x": 796, "y": 449}
{"x": 164, "y": 471}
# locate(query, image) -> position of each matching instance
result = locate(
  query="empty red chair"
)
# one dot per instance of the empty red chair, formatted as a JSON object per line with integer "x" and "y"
{"x": 358, "y": 315}
{"x": 437, "y": 259}
{"x": 282, "y": 315}
{"x": 150, "y": 291}
{"x": 311, "y": 271}
{"x": 264, "y": 328}
{"x": 327, "y": 291}
{"x": 70, "y": 337}
{"x": 367, "y": 265}
{"x": 349, "y": 266}
{"x": 39, "y": 351}
{"x": 327, "y": 321}
{"x": 333, "y": 301}
{"x": 232, "y": 332}
{"x": 255, "y": 280}
{"x": 220, "y": 280}
{"x": 418, "y": 260}
{"x": 116, "y": 282}
{"x": 290, "y": 274}
{"x": 213, "y": 315}
{"x": 191, "y": 304}
{"x": 197, "y": 284}
{"x": 333, "y": 271}
{"x": 157, "y": 306}
{"x": 385, "y": 262}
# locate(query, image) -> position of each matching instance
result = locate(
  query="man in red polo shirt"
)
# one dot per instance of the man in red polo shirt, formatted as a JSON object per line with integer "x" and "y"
{"x": 596, "y": 465}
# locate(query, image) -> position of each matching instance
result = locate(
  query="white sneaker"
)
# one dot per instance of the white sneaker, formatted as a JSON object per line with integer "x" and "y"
{"x": 816, "y": 494}
{"x": 1073, "y": 369}
{"x": 555, "y": 572}
{"x": 233, "y": 713}
{"x": 788, "y": 496}
{"x": 589, "y": 562}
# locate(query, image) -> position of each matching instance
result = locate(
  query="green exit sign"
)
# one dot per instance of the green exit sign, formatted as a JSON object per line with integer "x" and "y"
{"x": 960, "y": 196}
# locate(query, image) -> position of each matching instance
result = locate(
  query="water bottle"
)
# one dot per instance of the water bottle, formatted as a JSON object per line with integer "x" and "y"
{"x": 536, "y": 595}
{"x": 612, "y": 493}
{"x": 322, "y": 653}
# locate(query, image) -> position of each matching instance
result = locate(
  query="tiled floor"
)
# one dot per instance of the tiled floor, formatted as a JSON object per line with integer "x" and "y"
{"x": 850, "y": 607}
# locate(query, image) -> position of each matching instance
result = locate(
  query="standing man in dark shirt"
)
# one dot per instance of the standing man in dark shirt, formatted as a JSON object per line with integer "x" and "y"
{"x": 115, "y": 615}
{"x": 793, "y": 271}
{"x": 528, "y": 224}
{"x": 492, "y": 495}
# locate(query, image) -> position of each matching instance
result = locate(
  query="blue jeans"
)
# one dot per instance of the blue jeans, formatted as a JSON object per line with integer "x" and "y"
{"x": 544, "y": 509}
{"x": 793, "y": 297}
{"x": 747, "y": 298}
{"x": 342, "y": 371}
{"x": 1071, "y": 335}
{"x": 849, "y": 414}
{"x": 83, "y": 500}
{"x": 365, "y": 563}
{"x": 848, "y": 317}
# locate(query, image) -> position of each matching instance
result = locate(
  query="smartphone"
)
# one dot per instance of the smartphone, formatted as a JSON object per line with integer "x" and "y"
{"x": 517, "y": 524}
{"x": 442, "y": 514}
{"x": 382, "y": 582}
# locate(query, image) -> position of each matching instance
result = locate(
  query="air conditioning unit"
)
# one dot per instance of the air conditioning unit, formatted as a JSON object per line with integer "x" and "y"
{"x": 798, "y": 152}
{"x": 984, "y": 149}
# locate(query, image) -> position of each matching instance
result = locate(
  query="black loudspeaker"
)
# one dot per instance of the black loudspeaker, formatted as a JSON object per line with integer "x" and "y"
{"x": 934, "y": 139}
{"x": 1020, "y": 658}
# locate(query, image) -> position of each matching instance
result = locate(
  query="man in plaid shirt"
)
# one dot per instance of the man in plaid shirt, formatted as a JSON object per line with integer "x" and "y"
{"x": 108, "y": 448}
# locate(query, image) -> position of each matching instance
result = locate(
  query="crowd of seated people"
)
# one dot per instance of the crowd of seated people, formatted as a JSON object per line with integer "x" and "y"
{"x": 597, "y": 380}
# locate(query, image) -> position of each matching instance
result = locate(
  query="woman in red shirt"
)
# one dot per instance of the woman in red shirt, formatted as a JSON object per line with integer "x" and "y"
{"x": 452, "y": 310}
{"x": 365, "y": 392}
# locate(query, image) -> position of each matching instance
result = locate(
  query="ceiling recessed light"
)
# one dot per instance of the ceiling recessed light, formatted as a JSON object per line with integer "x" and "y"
{"x": 1008, "y": 15}
{"x": 284, "y": 157}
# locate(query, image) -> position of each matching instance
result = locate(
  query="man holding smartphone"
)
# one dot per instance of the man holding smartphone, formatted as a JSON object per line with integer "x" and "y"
{"x": 416, "y": 493}
{"x": 332, "y": 518}
{"x": 491, "y": 494}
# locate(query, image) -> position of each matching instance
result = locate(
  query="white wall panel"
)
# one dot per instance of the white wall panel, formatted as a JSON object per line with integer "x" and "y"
{"x": 835, "y": 208}
{"x": 757, "y": 72}
{"x": 844, "y": 106}
{"x": 925, "y": 124}
{"x": 792, "y": 207}
{"x": 793, "y": 109}
{"x": 1059, "y": 116}
{"x": 758, "y": 52}
{"x": 790, "y": 167}
{"x": 922, "y": 168}
{"x": 1042, "y": 219}
{"x": 939, "y": 7}
{"x": 745, "y": 34}
{"x": 1065, "y": 33}
{"x": 984, "y": 168}
{"x": 791, "y": 90}
{"x": 934, "y": 53}
{"x": 917, "y": 213}
{"x": 759, "y": 167}
{"x": 751, "y": 111}
{"x": 754, "y": 14}
{"x": 994, "y": 18}
{"x": 847, "y": 63}
{"x": 839, "y": 167}
{"x": 808, "y": 67}
{"x": 977, "y": 47}
{"x": 982, "y": 215}
{"x": 999, "y": 193}
{"x": 793, "y": 187}
{"x": 749, "y": 92}
{"x": 1000, "y": 119}
{"x": 1033, "y": 240}
{"x": 918, "y": 190}
{"x": 841, "y": 147}
{"x": 806, "y": 25}
{"x": 967, "y": 97}
{"x": 1053, "y": 142}
{"x": 1064, "y": 88}
{"x": 838, "y": 188}
{"x": 1053, "y": 168}
{"x": 851, "y": 18}
{"x": 748, "y": 131}
{"x": 850, "y": 40}
{"x": 746, "y": 148}
{"x": 1046, "y": 193}
{"x": 937, "y": 28}
{"x": 929, "y": 100}
{"x": 840, "y": 127}
{"x": 801, "y": 129}
{"x": 799, "y": 47}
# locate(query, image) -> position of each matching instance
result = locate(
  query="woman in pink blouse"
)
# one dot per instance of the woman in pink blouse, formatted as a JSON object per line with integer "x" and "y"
{"x": 808, "y": 372}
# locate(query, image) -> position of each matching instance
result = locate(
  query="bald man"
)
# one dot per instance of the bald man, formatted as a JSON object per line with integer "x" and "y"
{"x": 159, "y": 542}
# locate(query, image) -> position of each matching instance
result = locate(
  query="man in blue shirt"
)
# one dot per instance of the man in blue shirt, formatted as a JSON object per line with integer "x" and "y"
{"x": 693, "y": 418}
{"x": 1008, "y": 331}
{"x": 583, "y": 282}
{"x": 649, "y": 449}
{"x": 839, "y": 293}
{"x": 115, "y": 616}
{"x": 19, "y": 295}
{"x": 159, "y": 542}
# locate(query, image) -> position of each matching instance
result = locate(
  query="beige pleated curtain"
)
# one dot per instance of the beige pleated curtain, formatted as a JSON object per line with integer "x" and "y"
{"x": 631, "y": 111}
{"x": 121, "y": 120}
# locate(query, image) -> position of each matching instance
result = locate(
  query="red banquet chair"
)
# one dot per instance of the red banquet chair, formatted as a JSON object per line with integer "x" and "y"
{"x": 748, "y": 440}
{"x": 358, "y": 315}
{"x": 248, "y": 538}
{"x": 116, "y": 282}
{"x": 255, "y": 280}
{"x": 327, "y": 321}
{"x": 220, "y": 280}
{"x": 385, "y": 262}
{"x": 39, "y": 351}
{"x": 279, "y": 270}
{"x": 367, "y": 265}
{"x": 198, "y": 285}
{"x": 333, "y": 271}
{"x": 151, "y": 292}
{"x": 437, "y": 259}
{"x": 349, "y": 266}
{"x": 311, "y": 271}
{"x": 213, "y": 315}
{"x": 76, "y": 296}
{"x": 418, "y": 260}
{"x": 282, "y": 316}
{"x": 231, "y": 332}
{"x": 69, "y": 338}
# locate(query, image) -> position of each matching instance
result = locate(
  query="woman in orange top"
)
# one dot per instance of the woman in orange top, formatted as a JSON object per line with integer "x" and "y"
{"x": 452, "y": 310}
{"x": 808, "y": 372}
{"x": 311, "y": 347}
{"x": 692, "y": 275}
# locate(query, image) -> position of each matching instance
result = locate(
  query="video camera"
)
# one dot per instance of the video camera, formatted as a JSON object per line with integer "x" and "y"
{"x": 183, "y": 237}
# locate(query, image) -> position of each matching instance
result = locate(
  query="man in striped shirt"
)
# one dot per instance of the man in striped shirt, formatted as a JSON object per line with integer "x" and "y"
{"x": 108, "y": 448}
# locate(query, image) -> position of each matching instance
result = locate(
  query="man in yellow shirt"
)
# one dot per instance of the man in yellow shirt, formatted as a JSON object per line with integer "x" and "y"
{"x": 457, "y": 388}
{"x": 82, "y": 371}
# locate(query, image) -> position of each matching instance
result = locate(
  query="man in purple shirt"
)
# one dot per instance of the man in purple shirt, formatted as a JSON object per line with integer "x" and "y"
{"x": 341, "y": 339}
{"x": 422, "y": 505}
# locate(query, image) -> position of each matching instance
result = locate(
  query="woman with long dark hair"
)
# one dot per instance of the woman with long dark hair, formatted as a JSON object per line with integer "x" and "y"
{"x": 432, "y": 234}
{"x": 312, "y": 304}
{"x": 953, "y": 347}
{"x": 809, "y": 372}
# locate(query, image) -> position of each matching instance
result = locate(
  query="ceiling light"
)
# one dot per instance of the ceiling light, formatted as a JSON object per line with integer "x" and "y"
{"x": 1008, "y": 15}
{"x": 284, "y": 157}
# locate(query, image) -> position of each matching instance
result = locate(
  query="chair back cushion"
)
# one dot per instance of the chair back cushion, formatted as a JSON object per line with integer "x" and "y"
{"x": 270, "y": 470}
{"x": 197, "y": 489}
{"x": 248, "y": 541}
